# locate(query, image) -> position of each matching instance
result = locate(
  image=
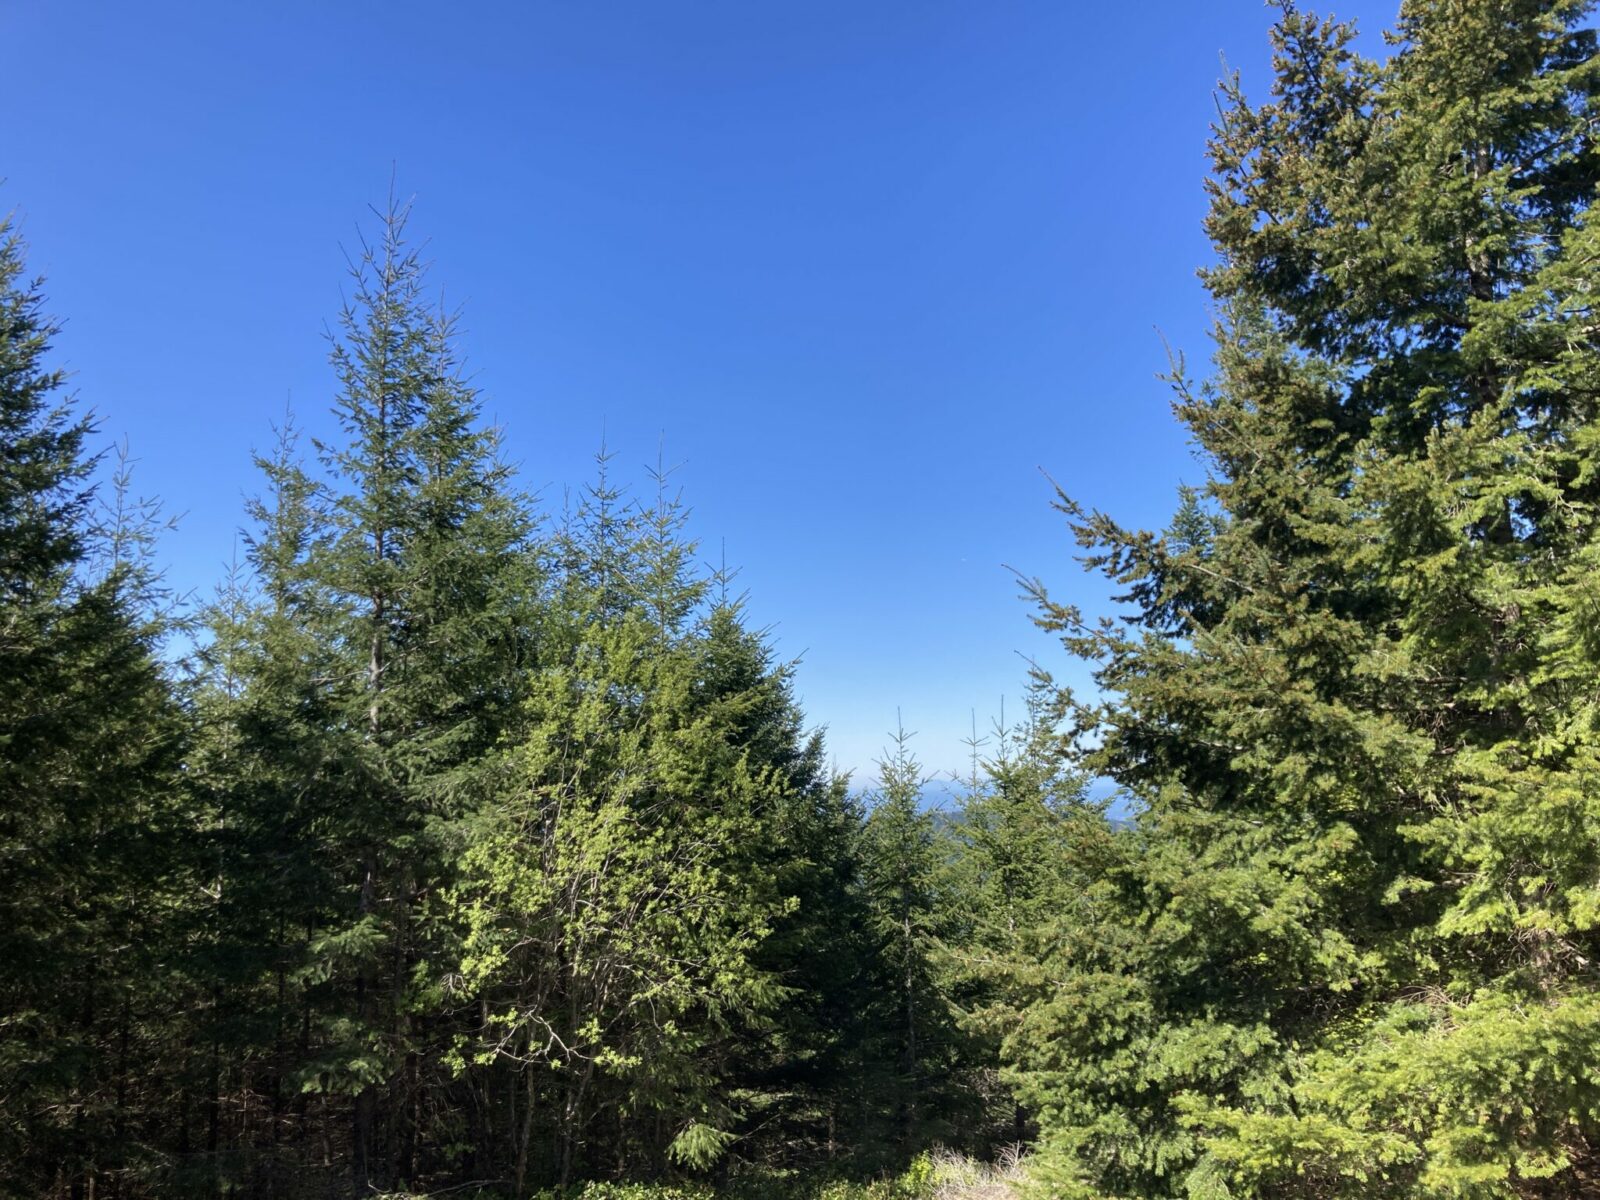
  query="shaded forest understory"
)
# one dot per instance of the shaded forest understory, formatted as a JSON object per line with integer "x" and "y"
{"x": 463, "y": 847}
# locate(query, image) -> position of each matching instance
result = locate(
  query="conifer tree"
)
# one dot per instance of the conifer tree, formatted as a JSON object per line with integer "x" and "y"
{"x": 353, "y": 703}
{"x": 611, "y": 899}
{"x": 90, "y": 741}
{"x": 1015, "y": 867}
{"x": 269, "y": 760}
{"x": 426, "y": 578}
{"x": 800, "y": 1072}
{"x": 903, "y": 861}
{"x": 1343, "y": 952}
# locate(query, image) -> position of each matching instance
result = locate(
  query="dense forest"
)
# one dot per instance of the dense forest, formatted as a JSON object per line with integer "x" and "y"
{"x": 465, "y": 846}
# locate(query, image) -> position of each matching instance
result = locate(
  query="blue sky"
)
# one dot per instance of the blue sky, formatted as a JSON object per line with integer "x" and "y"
{"x": 867, "y": 268}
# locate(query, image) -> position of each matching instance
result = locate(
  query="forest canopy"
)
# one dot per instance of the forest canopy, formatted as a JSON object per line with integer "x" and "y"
{"x": 464, "y": 845}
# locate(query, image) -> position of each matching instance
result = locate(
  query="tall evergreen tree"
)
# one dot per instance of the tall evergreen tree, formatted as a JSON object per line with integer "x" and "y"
{"x": 903, "y": 858}
{"x": 90, "y": 741}
{"x": 1345, "y": 951}
{"x": 427, "y": 583}
{"x": 354, "y": 702}
{"x": 611, "y": 899}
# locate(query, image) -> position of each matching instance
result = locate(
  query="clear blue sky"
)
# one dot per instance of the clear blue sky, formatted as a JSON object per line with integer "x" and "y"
{"x": 866, "y": 266}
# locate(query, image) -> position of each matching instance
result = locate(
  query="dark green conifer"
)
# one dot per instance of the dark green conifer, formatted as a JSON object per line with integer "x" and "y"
{"x": 1345, "y": 706}
{"x": 903, "y": 859}
{"x": 90, "y": 741}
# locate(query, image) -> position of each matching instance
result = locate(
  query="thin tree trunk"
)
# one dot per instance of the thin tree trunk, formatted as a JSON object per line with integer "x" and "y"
{"x": 362, "y": 1111}
{"x": 120, "y": 1126}
{"x": 214, "y": 1098}
{"x": 525, "y": 1136}
{"x": 911, "y": 1037}
{"x": 569, "y": 1140}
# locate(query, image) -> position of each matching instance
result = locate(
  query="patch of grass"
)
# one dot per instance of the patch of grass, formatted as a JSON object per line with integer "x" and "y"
{"x": 938, "y": 1175}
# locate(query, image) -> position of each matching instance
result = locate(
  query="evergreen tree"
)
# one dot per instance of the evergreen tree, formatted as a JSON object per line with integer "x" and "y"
{"x": 269, "y": 761}
{"x": 354, "y": 699}
{"x": 612, "y": 901}
{"x": 1015, "y": 868}
{"x": 90, "y": 740}
{"x": 903, "y": 858}
{"x": 799, "y": 1073}
{"x": 427, "y": 581}
{"x": 1345, "y": 951}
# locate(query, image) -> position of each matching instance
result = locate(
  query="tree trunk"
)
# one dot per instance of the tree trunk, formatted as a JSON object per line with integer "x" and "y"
{"x": 525, "y": 1135}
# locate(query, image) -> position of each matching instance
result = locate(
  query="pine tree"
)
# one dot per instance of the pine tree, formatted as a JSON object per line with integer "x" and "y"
{"x": 1347, "y": 697}
{"x": 903, "y": 858}
{"x": 354, "y": 698}
{"x": 90, "y": 740}
{"x": 611, "y": 899}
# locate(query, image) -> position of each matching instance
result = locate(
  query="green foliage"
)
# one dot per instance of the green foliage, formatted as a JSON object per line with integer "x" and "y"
{"x": 607, "y": 1190}
{"x": 1014, "y": 864}
{"x": 613, "y": 900}
{"x": 699, "y": 1146}
{"x": 909, "y": 913}
{"x": 477, "y": 856}
{"x": 1345, "y": 949}
{"x": 91, "y": 738}
{"x": 921, "y": 1180}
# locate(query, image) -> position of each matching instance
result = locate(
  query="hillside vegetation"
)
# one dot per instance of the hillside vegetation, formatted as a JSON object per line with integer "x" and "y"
{"x": 463, "y": 847}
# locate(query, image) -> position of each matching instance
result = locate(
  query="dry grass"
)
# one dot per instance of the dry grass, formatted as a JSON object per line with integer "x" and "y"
{"x": 957, "y": 1177}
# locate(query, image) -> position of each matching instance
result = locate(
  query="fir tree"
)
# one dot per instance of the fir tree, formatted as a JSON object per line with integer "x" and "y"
{"x": 1347, "y": 706}
{"x": 90, "y": 741}
{"x": 1016, "y": 866}
{"x": 612, "y": 900}
{"x": 354, "y": 700}
{"x": 903, "y": 858}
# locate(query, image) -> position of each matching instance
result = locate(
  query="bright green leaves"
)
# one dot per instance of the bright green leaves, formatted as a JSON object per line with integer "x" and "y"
{"x": 611, "y": 899}
{"x": 1435, "y": 1099}
{"x": 699, "y": 1146}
